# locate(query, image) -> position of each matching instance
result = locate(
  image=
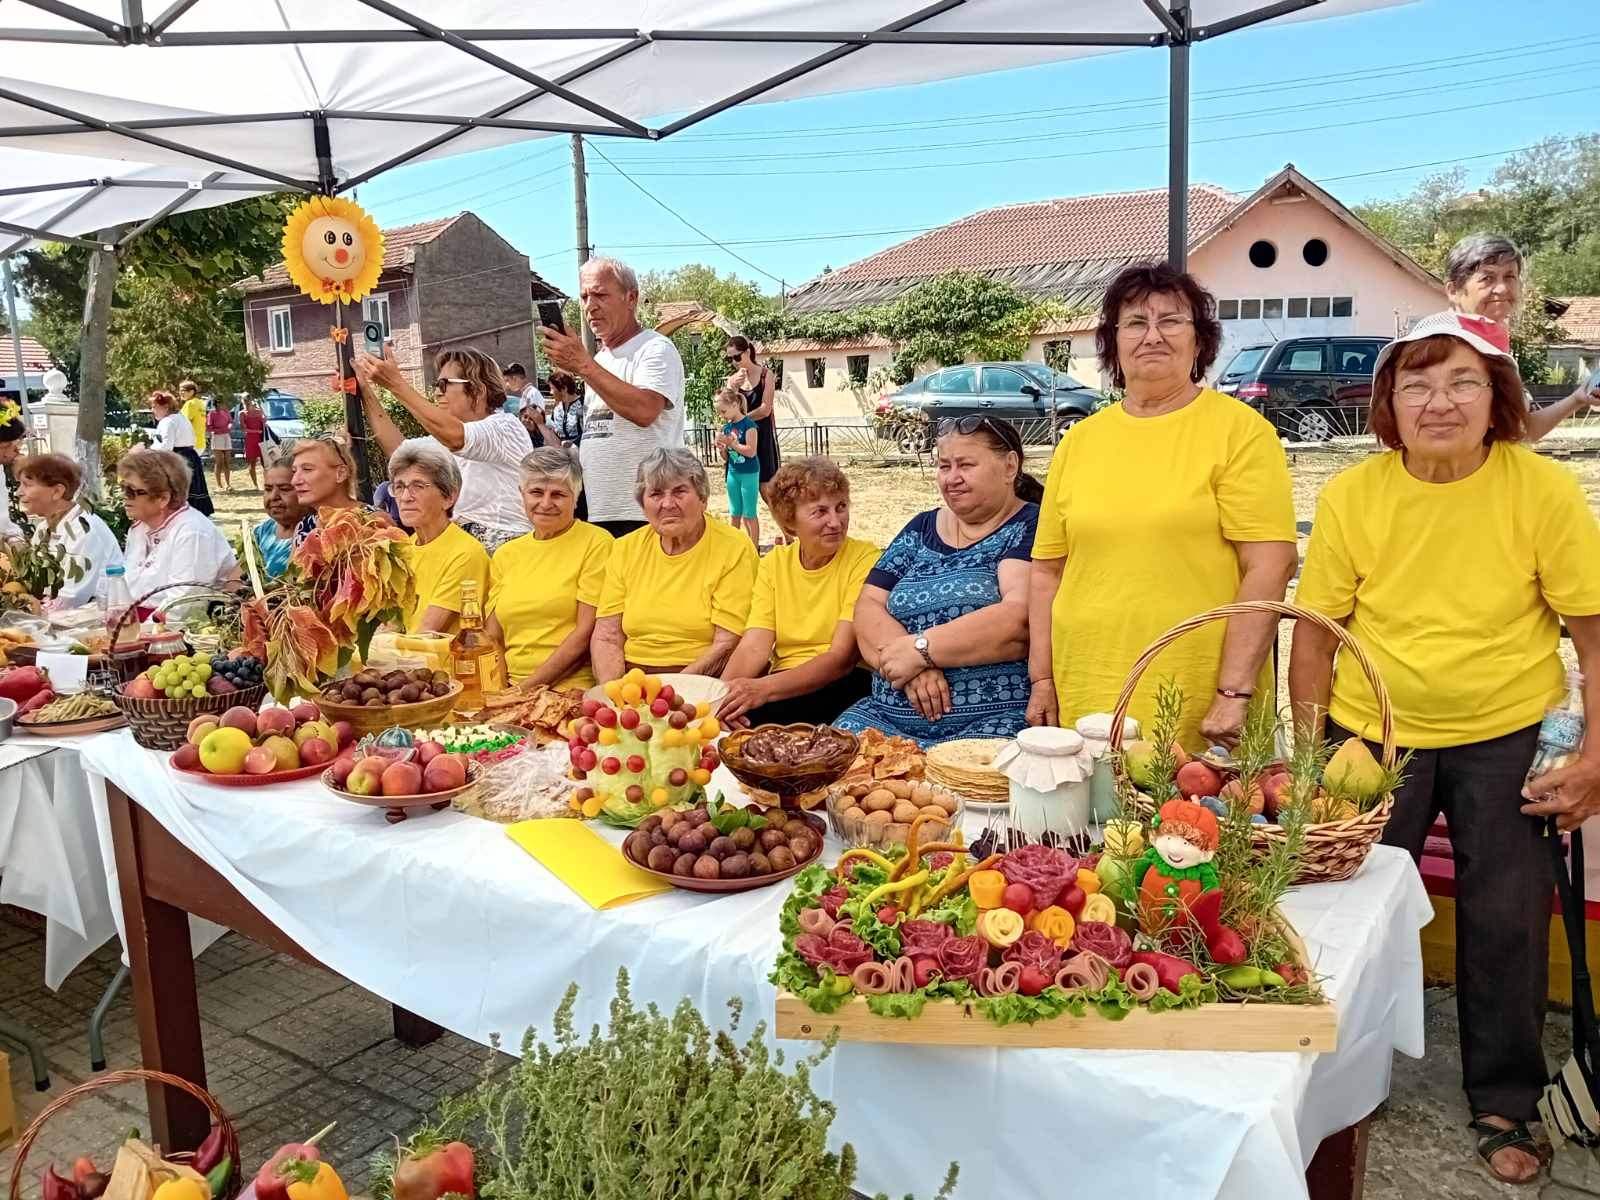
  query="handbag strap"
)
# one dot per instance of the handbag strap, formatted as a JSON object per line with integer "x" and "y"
{"x": 1570, "y": 889}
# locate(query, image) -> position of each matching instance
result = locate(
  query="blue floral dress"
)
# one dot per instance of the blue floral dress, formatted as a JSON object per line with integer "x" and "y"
{"x": 930, "y": 582}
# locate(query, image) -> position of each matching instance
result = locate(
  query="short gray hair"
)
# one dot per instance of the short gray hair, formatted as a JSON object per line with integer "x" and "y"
{"x": 552, "y": 462}
{"x": 664, "y": 466}
{"x": 625, "y": 275}
{"x": 1476, "y": 249}
{"x": 439, "y": 465}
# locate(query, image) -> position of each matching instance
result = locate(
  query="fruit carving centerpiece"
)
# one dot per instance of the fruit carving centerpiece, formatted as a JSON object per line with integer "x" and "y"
{"x": 648, "y": 748}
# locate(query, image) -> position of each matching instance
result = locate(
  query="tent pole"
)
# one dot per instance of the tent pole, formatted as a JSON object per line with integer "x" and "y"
{"x": 1178, "y": 140}
{"x": 16, "y": 345}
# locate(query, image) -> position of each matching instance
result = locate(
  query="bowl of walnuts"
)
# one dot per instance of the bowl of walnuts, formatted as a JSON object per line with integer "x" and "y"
{"x": 879, "y": 812}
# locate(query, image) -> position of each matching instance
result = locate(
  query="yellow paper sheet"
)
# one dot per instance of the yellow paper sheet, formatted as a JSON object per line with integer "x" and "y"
{"x": 585, "y": 862}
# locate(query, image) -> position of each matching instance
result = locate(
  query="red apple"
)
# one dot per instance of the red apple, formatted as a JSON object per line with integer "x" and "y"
{"x": 427, "y": 752}
{"x": 342, "y": 766}
{"x": 260, "y": 761}
{"x": 240, "y": 717}
{"x": 1195, "y": 778}
{"x": 345, "y": 732}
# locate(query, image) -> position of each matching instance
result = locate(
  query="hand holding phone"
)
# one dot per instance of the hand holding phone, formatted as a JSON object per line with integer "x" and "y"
{"x": 550, "y": 315}
{"x": 372, "y": 338}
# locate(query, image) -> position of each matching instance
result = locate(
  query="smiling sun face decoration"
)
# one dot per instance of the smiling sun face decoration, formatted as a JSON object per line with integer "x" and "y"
{"x": 333, "y": 250}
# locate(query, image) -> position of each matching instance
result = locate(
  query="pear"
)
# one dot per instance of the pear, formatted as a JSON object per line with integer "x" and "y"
{"x": 1353, "y": 771}
{"x": 1136, "y": 758}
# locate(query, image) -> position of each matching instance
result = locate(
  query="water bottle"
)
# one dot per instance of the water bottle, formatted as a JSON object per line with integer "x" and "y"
{"x": 1561, "y": 731}
{"x": 126, "y": 650}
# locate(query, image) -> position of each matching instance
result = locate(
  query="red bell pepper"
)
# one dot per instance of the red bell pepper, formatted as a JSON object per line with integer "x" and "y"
{"x": 430, "y": 1176}
{"x": 288, "y": 1166}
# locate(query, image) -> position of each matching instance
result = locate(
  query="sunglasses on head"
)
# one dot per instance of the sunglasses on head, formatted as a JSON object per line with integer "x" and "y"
{"x": 973, "y": 422}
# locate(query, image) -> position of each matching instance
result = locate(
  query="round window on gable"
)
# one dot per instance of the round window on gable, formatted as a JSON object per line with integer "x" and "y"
{"x": 1315, "y": 252}
{"x": 1263, "y": 253}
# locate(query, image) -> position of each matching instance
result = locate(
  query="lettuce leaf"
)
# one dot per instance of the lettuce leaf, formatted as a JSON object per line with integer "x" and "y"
{"x": 884, "y": 939}
{"x": 808, "y": 885}
{"x": 792, "y": 973}
{"x": 865, "y": 876}
{"x": 1017, "y": 1008}
{"x": 905, "y": 1005}
{"x": 959, "y": 910}
{"x": 1192, "y": 992}
{"x": 1112, "y": 1001}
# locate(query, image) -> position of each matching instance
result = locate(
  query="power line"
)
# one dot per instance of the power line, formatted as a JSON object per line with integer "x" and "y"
{"x": 536, "y": 152}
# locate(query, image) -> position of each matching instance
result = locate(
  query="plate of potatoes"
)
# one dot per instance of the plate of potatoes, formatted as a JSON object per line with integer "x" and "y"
{"x": 879, "y": 812}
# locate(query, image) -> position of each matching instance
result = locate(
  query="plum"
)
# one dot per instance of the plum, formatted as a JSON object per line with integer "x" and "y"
{"x": 721, "y": 847}
{"x": 781, "y": 858}
{"x": 744, "y": 838}
{"x": 736, "y": 866}
{"x": 684, "y": 867}
{"x": 662, "y": 858}
{"x": 706, "y": 867}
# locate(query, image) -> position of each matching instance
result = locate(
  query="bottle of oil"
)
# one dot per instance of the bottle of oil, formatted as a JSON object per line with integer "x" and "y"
{"x": 478, "y": 667}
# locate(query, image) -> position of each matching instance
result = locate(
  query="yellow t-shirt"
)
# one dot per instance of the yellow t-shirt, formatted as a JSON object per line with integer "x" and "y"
{"x": 669, "y": 604}
{"x": 535, "y": 588}
{"x": 194, "y": 409}
{"x": 438, "y": 570}
{"x": 1453, "y": 590}
{"x": 1146, "y": 510}
{"x": 803, "y": 607}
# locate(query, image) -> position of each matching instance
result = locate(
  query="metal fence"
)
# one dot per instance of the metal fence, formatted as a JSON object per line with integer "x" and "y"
{"x": 863, "y": 440}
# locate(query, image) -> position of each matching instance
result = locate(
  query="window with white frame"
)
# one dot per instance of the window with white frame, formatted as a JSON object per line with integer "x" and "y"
{"x": 280, "y": 330}
{"x": 376, "y": 308}
{"x": 1294, "y": 308}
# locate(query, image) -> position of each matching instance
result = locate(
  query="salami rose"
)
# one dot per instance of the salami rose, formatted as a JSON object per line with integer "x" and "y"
{"x": 832, "y": 898}
{"x": 1034, "y": 949}
{"x": 963, "y": 957}
{"x": 1045, "y": 870}
{"x": 919, "y": 938}
{"x": 1106, "y": 940}
{"x": 813, "y": 948}
{"x": 846, "y": 951}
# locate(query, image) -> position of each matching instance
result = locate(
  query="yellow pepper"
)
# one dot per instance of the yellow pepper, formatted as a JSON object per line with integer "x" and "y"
{"x": 324, "y": 1185}
{"x": 1000, "y": 927}
{"x": 1124, "y": 839}
{"x": 871, "y": 856}
{"x": 1055, "y": 923}
{"x": 889, "y": 889}
{"x": 182, "y": 1189}
{"x": 1088, "y": 881}
{"x": 1099, "y": 907}
{"x": 986, "y": 888}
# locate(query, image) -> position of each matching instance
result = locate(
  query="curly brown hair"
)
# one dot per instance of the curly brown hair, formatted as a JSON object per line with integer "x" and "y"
{"x": 803, "y": 479}
{"x": 482, "y": 373}
{"x": 1508, "y": 410}
{"x": 1141, "y": 280}
{"x": 160, "y": 472}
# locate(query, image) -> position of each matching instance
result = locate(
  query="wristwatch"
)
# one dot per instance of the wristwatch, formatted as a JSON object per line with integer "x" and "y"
{"x": 920, "y": 643}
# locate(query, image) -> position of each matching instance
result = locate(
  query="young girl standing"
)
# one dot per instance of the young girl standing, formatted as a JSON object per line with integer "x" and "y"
{"x": 738, "y": 441}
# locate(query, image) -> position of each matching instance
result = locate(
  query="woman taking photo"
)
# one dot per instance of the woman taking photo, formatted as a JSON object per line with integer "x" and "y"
{"x": 47, "y": 485}
{"x": 677, "y": 591}
{"x": 943, "y": 618}
{"x": 1174, "y": 501}
{"x": 324, "y": 476}
{"x": 545, "y": 626}
{"x": 755, "y": 383}
{"x": 1454, "y": 559}
{"x": 175, "y": 433}
{"x": 797, "y": 660}
{"x": 170, "y": 541}
{"x": 219, "y": 423}
{"x": 425, "y": 482}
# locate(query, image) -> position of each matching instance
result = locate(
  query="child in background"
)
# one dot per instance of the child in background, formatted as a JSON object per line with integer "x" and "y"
{"x": 738, "y": 441}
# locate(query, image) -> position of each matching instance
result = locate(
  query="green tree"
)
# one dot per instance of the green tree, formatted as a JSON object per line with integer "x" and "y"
{"x": 1532, "y": 333}
{"x": 164, "y": 331}
{"x": 734, "y": 298}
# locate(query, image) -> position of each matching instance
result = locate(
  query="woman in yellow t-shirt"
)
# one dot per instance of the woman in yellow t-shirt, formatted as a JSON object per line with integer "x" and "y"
{"x": 425, "y": 482}
{"x": 677, "y": 592}
{"x": 1453, "y": 560}
{"x": 798, "y": 659}
{"x": 545, "y": 585}
{"x": 1175, "y": 501}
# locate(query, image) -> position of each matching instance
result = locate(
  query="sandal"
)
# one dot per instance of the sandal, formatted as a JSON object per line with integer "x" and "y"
{"x": 1493, "y": 1139}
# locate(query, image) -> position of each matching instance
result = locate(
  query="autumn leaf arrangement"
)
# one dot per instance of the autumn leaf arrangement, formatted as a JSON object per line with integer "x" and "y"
{"x": 345, "y": 579}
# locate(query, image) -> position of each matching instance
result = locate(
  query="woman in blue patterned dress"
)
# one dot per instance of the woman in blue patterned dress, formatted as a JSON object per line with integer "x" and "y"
{"x": 943, "y": 618}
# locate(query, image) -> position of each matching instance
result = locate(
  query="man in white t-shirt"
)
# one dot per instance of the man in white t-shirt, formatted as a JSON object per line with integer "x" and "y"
{"x": 635, "y": 392}
{"x": 520, "y": 391}
{"x": 470, "y": 422}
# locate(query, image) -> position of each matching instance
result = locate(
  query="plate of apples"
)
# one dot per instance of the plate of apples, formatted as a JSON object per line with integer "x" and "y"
{"x": 394, "y": 771}
{"x": 245, "y": 748}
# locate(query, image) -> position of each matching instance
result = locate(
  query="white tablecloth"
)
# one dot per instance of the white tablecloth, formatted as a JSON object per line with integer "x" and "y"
{"x": 447, "y": 917}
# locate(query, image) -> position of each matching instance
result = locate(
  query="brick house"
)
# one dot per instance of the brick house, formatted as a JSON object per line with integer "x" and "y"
{"x": 1576, "y": 352}
{"x": 449, "y": 282}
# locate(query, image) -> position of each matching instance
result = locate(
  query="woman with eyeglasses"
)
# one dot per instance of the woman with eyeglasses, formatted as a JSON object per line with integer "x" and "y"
{"x": 469, "y": 420}
{"x": 170, "y": 541}
{"x": 943, "y": 617}
{"x": 425, "y": 482}
{"x": 1454, "y": 559}
{"x": 174, "y": 432}
{"x": 1174, "y": 501}
{"x": 324, "y": 476}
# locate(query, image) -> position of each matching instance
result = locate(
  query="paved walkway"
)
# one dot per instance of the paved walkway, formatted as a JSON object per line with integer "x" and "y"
{"x": 291, "y": 1048}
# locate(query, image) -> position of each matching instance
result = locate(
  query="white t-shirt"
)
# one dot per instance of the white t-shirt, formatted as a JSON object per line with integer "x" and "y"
{"x": 173, "y": 432}
{"x": 613, "y": 446}
{"x": 187, "y": 548}
{"x": 90, "y": 544}
{"x": 491, "y": 481}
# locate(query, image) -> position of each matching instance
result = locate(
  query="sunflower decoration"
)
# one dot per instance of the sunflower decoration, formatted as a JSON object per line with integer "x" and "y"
{"x": 9, "y": 411}
{"x": 333, "y": 250}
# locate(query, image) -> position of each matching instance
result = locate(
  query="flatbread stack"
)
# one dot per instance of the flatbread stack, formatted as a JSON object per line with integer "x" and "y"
{"x": 966, "y": 767}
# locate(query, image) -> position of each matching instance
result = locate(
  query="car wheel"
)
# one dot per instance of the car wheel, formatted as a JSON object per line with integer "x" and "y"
{"x": 1307, "y": 425}
{"x": 912, "y": 445}
{"x": 1067, "y": 421}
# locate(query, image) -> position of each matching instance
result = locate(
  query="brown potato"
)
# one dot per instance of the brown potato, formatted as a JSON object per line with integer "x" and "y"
{"x": 879, "y": 800}
{"x": 858, "y": 790}
{"x": 853, "y": 813}
{"x": 895, "y": 835}
{"x": 905, "y": 812}
{"x": 933, "y": 810}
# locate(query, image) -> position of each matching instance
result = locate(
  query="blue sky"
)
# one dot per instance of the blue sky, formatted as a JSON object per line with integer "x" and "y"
{"x": 1354, "y": 102}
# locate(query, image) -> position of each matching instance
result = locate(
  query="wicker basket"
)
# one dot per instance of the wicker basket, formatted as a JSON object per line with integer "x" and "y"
{"x": 163, "y": 724}
{"x": 786, "y": 782}
{"x": 1332, "y": 850}
{"x": 424, "y": 714}
{"x": 111, "y": 1079}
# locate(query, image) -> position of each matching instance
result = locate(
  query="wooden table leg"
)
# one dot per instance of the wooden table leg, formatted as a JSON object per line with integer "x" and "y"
{"x": 413, "y": 1030}
{"x": 1339, "y": 1168}
{"x": 164, "y": 993}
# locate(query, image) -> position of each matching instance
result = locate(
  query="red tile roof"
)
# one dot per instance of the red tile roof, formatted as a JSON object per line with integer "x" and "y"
{"x": 34, "y": 356}
{"x": 1581, "y": 323}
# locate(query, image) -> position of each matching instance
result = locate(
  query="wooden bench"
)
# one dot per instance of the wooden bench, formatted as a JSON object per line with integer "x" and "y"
{"x": 1439, "y": 935}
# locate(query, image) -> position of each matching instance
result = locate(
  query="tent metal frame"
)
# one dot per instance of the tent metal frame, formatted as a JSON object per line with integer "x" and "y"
{"x": 1178, "y": 34}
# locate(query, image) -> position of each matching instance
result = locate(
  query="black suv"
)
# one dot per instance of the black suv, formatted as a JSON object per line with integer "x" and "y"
{"x": 1020, "y": 392}
{"x": 1310, "y": 388}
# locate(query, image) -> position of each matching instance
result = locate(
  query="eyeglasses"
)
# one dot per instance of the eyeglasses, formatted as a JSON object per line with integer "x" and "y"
{"x": 407, "y": 488}
{"x": 975, "y": 421}
{"x": 1457, "y": 391}
{"x": 129, "y": 492}
{"x": 444, "y": 381}
{"x": 1170, "y": 325}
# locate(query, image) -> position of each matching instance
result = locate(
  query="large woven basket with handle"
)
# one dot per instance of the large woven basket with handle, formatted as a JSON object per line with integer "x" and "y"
{"x": 1332, "y": 850}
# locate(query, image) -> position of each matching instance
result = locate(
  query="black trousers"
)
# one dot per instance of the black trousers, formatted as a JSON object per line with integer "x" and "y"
{"x": 1503, "y": 887}
{"x": 818, "y": 707}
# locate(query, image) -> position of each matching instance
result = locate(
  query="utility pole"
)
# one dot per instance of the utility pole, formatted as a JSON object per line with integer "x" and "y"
{"x": 580, "y": 197}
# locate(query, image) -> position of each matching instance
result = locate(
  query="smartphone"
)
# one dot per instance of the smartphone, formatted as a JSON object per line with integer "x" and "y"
{"x": 550, "y": 314}
{"x": 1593, "y": 385}
{"x": 372, "y": 338}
